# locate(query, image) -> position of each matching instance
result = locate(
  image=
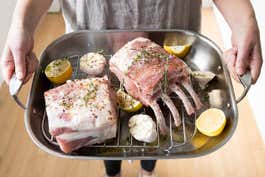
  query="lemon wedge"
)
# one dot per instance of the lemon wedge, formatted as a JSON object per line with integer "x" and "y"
{"x": 178, "y": 50}
{"x": 127, "y": 102}
{"x": 211, "y": 122}
{"x": 58, "y": 71}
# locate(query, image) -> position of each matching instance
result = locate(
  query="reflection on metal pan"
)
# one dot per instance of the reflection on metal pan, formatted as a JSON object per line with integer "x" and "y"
{"x": 182, "y": 142}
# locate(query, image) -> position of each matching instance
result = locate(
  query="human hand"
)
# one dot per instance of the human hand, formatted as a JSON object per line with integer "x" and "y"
{"x": 17, "y": 55}
{"x": 246, "y": 52}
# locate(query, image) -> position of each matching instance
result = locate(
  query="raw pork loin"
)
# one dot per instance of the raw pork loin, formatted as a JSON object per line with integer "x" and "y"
{"x": 148, "y": 73}
{"x": 81, "y": 112}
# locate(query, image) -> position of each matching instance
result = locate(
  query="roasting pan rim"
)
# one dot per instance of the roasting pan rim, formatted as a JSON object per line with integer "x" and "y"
{"x": 146, "y": 157}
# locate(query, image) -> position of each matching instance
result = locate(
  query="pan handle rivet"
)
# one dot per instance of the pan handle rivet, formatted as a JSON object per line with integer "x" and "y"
{"x": 219, "y": 68}
{"x": 228, "y": 105}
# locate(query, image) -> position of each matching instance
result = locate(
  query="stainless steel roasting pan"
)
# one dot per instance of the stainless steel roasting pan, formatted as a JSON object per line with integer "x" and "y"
{"x": 181, "y": 142}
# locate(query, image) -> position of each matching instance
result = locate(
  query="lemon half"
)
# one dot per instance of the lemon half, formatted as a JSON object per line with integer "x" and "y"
{"x": 59, "y": 70}
{"x": 127, "y": 102}
{"x": 211, "y": 122}
{"x": 178, "y": 50}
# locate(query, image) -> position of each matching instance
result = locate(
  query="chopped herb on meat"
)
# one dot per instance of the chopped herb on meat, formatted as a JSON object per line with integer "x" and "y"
{"x": 91, "y": 93}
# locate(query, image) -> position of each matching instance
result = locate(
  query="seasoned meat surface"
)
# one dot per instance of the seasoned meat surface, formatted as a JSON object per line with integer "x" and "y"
{"x": 81, "y": 112}
{"x": 148, "y": 73}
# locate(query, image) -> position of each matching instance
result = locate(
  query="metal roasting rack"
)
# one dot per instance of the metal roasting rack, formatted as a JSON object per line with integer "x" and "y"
{"x": 116, "y": 143}
{"x": 180, "y": 142}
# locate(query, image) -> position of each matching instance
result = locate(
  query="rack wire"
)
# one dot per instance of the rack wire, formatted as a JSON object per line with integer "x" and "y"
{"x": 131, "y": 143}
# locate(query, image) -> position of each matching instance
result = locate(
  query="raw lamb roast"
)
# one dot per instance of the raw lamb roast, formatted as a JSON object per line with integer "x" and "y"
{"x": 81, "y": 112}
{"x": 148, "y": 73}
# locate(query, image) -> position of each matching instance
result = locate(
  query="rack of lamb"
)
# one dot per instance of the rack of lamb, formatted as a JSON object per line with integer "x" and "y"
{"x": 149, "y": 73}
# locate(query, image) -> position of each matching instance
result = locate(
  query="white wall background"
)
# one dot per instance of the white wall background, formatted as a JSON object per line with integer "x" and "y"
{"x": 6, "y": 9}
{"x": 207, "y": 3}
{"x": 55, "y": 7}
{"x": 256, "y": 95}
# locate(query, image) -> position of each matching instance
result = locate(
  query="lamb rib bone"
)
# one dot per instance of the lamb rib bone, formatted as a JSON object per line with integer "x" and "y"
{"x": 140, "y": 64}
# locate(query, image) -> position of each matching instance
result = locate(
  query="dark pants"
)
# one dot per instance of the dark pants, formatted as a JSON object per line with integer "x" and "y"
{"x": 113, "y": 167}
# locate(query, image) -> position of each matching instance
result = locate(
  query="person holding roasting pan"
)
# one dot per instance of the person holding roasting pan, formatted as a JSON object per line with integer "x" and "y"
{"x": 18, "y": 55}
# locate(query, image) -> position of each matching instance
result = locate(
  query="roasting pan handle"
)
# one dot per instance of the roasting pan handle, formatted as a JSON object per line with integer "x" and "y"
{"x": 14, "y": 87}
{"x": 17, "y": 100}
{"x": 245, "y": 80}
